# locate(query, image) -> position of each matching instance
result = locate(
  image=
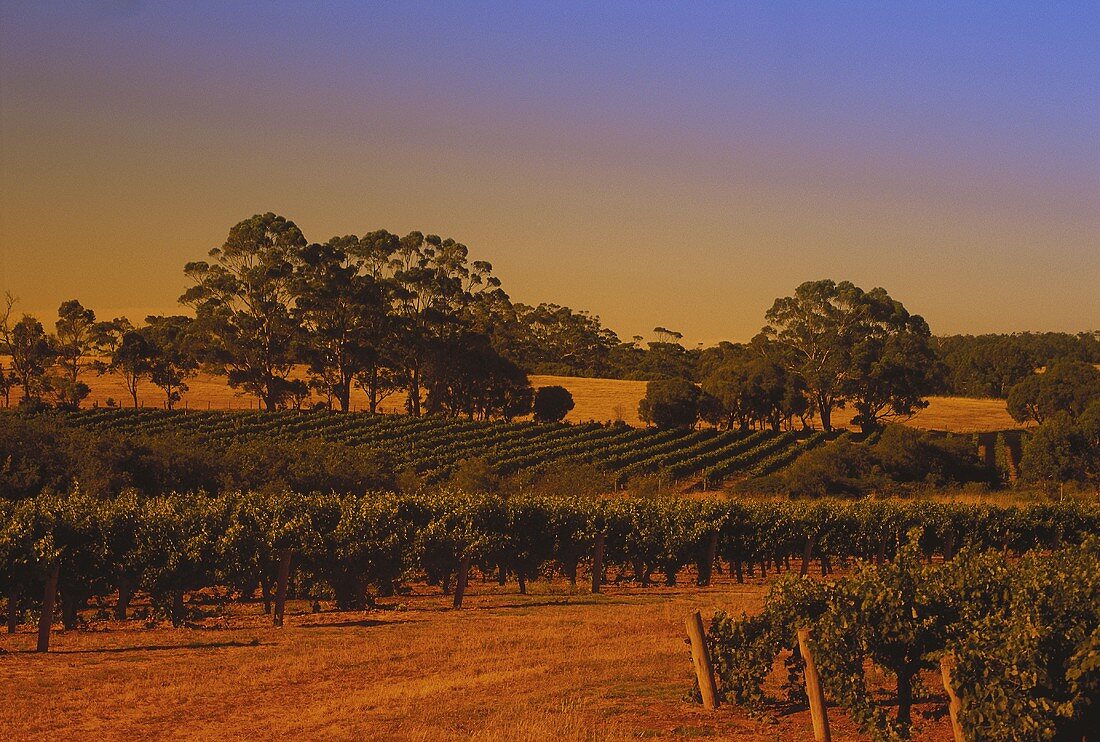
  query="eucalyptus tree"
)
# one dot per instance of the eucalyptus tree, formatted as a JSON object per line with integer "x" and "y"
{"x": 171, "y": 344}
{"x": 130, "y": 356}
{"x": 435, "y": 287}
{"x": 32, "y": 354}
{"x": 342, "y": 313}
{"x": 382, "y": 374}
{"x": 243, "y": 303}
{"x": 851, "y": 345}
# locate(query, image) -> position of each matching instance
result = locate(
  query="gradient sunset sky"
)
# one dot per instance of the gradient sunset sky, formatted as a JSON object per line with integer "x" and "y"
{"x": 676, "y": 164}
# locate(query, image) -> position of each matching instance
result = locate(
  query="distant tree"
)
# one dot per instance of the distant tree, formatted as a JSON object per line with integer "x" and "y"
{"x": 243, "y": 304}
{"x": 893, "y": 365}
{"x": 848, "y": 344}
{"x": 382, "y": 374}
{"x": 750, "y": 390}
{"x": 466, "y": 376}
{"x": 554, "y": 339}
{"x": 1067, "y": 386}
{"x": 437, "y": 290}
{"x": 342, "y": 314}
{"x": 131, "y": 356}
{"x": 552, "y": 404}
{"x": 670, "y": 403}
{"x": 990, "y": 365}
{"x": 1063, "y": 449}
{"x": 172, "y": 358}
{"x": 32, "y": 354}
{"x": 78, "y": 337}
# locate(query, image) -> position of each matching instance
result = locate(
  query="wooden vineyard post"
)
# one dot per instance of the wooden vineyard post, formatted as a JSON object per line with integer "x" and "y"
{"x": 700, "y": 657}
{"x": 813, "y": 689}
{"x": 49, "y": 596}
{"x": 947, "y": 664}
{"x": 597, "y": 562}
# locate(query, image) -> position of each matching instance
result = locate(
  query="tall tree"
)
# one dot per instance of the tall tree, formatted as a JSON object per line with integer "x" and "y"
{"x": 670, "y": 403}
{"x": 894, "y": 365}
{"x": 243, "y": 304}
{"x": 382, "y": 374}
{"x": 851, "y": 345}
{"x": 342, "y": 313}
{"x": 434, "y": 288}
{"x": 32, "y": 352}
{"x": 1066, "y": 387}
{"x": 130, "y": 355}
{"x": 78, "y": 337}
{"x": 172, "y": 359}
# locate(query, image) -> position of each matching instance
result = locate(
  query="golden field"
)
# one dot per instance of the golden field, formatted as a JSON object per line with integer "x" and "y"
{"x": 596, "y": 399}
{"x": 549, "y": 665}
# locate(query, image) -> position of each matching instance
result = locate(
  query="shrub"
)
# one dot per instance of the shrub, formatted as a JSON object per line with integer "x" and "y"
{"x": 552, "y": 404}
{"x": 670, "y": 403}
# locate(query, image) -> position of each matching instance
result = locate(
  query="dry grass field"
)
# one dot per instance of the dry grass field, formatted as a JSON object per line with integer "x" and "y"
{"x": 549, "y": 665}
{"x": 596, "y": 399}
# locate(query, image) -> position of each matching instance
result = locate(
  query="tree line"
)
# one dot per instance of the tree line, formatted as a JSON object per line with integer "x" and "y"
{"x": 384, "y": 314}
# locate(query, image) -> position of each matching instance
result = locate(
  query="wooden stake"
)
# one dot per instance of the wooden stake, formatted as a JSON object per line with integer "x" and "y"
{"x": 813, "y": 689}
{"x": 947, "y": 664}
{"x": 700, "y": 657}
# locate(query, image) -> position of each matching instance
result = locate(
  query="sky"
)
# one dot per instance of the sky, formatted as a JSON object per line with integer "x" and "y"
{"x": 672, "y": 164}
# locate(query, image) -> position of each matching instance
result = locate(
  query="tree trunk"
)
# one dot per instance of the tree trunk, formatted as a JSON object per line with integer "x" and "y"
{"x": 502, "y": 574}
{"x": 706, "y": 568}
{"x": 905, "y": 698}
{"x": 460, "y": 583}
{"x": 280, "y": 586}
{"x": 807, "y": 552}
{"x": 522, "y": 584}
{"x": 125, "y": 594}
{"x": 49, "y": 595}
{"x": 825, "y": 410}
{"x": 414, "y": 392}
{"x": 69, "y": 606}
{"x": 13, "y": 609}
{"x": 179, "y": 611}
{"x": 265, "y": 593}
{"x": 737, "y": 572}
{"x": 597, "y": 561}
{"x": 372, "y": 390}
{"x": 571, "y": 573}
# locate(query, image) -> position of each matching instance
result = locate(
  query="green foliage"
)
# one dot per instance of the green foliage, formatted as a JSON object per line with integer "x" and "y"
{"x": 552, "y": 404}
{"x": 852, "y": 346}
{"x": 900, "y": 456}
{"x": 1024, "y": 636}
{"x": 670, "y": 403}
{"x": 1067, "y": 387}
{"x": 990, "y": 365}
